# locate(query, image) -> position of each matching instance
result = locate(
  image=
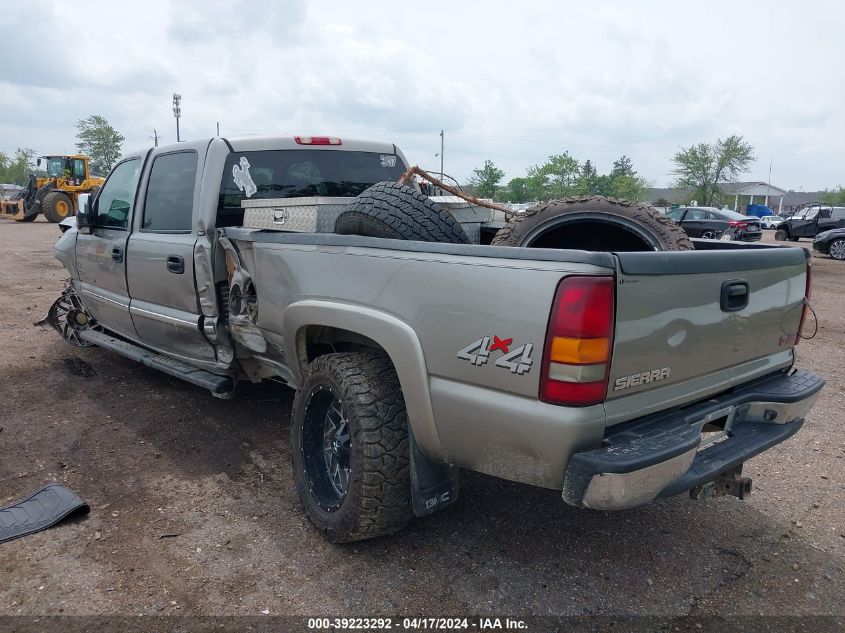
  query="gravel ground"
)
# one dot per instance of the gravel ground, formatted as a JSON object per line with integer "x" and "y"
{"x": 194, "y": 509}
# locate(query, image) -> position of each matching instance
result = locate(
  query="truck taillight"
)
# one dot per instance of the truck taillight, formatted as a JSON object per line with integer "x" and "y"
{"x": 317, "y": 140}
{"x": 808, "y": 291}
{"x": 579, "y": 341}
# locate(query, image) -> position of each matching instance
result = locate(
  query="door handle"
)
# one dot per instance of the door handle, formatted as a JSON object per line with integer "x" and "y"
{"x": 734, "y": 295}
{"x": 117, "y": 254}
{"x": 175, "y": 264}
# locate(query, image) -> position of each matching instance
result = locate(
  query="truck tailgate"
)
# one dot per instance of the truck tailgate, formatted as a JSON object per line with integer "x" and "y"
{"x": 683, "y": 315}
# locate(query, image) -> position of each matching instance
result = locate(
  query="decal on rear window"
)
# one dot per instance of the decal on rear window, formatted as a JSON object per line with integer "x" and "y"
{"x": 388, "y": 160}
{"x": 242, "y": 178}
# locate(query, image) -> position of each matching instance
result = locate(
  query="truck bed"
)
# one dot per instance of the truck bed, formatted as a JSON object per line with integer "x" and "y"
{"x": 446, "y": 296}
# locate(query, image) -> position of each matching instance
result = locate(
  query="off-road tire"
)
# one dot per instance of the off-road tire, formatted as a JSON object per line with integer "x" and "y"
{"x": 394, "y": 211}
{"x": 781, "y": 235}
{"x": 837, "y": 253}
{"x": 378, "y": 499}
{"x": 53, "y": 204}
{"x": 645, "y": 224}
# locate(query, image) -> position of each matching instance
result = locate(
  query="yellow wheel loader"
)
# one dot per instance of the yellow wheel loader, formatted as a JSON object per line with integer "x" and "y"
{"x": 56, "y": 194}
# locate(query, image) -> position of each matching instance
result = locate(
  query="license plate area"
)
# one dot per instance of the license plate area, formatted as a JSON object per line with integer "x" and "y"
{"x": 716, "y": 427}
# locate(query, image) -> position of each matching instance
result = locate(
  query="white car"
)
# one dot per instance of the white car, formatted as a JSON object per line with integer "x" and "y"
{"x": 770, "y": 221}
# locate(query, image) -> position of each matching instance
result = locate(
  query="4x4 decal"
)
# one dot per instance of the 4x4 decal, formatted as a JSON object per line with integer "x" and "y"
{"x": 518, "y": 361}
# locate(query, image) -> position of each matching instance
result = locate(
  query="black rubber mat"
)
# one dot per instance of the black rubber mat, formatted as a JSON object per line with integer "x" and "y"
{"x": 42, "y": 509}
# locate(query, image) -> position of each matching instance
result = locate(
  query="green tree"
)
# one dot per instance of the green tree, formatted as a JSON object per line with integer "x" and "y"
{"x": 703, "y": 166}
{"x": 485, "y": 180}
{"x": 623, "y": 181}
{"x": 589, "y": 182}
{"x": 99, "y": 140}
{"x": 518, "y": 190}
{"x": 556, "y": 178}
{"x": 16, "y": 170}
{"x": 834, "y": 196}
{"x": 622, "y": 166}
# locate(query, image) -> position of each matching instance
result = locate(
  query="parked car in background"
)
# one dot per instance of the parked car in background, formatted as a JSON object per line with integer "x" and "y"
{"x": 770, "y": 221}
{"x": 831, "y": 243}
{"x": 810, "y": 221}
{"x": 710, "y": 223}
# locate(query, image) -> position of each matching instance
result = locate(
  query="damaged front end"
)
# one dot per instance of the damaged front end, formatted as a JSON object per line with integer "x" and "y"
{"x": 68, "y": 317}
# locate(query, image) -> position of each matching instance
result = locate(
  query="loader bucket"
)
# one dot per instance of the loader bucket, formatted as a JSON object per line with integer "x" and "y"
{"x": 19, "y": 216}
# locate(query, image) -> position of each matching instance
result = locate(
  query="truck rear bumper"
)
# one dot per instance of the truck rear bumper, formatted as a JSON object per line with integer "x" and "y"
{"x": 666, "y": 454}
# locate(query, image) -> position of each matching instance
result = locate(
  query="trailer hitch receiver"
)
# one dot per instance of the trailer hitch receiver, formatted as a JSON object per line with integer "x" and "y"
{"x": 730, "y": 482}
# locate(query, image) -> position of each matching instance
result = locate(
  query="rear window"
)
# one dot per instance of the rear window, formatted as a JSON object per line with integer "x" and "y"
{"x": 299, "y": 174}
{"x": 733, "y": 215}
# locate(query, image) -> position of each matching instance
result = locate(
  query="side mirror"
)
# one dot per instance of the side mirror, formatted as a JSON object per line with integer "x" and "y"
{"x": 85, "y": 214}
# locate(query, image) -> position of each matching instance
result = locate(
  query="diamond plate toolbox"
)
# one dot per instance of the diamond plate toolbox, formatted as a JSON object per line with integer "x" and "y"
{"x": 300, "y": 215}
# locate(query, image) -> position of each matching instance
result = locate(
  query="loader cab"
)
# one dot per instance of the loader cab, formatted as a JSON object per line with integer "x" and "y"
{"x": 55, "y": 166}
{"x": 71, "y": 168}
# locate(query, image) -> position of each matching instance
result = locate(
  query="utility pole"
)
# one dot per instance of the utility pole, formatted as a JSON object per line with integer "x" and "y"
{"x": 177, "y": 112}
{"x": 442, "y": 147}
{"x": 155, "y": 136}
{"x": 769, "y": 185}
{"x": 218, "y": 128}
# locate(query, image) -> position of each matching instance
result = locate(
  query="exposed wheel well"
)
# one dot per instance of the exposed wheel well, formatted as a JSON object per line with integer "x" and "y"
{"x": 314, "y": 341}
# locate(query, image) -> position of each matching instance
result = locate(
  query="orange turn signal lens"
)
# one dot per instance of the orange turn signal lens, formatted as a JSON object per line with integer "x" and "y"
{"x": 580, "y": 351}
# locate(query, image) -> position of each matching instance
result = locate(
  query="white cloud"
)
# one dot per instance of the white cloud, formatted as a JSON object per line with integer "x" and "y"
{"x": 510, "y": 82}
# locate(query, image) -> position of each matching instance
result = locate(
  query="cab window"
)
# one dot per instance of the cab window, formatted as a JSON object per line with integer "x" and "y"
{"x": 299, "y": 174}
{"x": 55, "y": 167}
{"x": 114, "y": 204}
{"x": 170, "y": 193}
{"x": 78, "y": 169}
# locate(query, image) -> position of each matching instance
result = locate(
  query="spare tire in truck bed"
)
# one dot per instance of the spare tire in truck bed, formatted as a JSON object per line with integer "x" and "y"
{"x": 394, "y": 211}
{"x": 593, "y": 223}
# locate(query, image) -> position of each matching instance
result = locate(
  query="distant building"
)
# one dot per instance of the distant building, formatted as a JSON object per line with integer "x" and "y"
{"x": 738, "y": 195}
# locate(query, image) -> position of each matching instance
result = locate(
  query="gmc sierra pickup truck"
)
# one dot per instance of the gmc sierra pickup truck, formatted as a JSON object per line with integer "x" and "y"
{"x": 616, "y": 377}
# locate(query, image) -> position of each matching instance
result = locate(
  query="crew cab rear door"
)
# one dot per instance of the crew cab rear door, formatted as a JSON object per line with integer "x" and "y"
{"x": 160, "y": 255}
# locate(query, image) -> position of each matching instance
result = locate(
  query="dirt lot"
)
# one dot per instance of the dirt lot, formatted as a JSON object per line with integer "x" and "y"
{"x": 194, "y": 509}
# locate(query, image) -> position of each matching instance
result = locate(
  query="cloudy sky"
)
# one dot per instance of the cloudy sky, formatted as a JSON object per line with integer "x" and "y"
{"x": 510, "y": 81}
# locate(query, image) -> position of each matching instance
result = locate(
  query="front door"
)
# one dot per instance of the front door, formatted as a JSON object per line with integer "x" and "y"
{"x": 804, "y": 225}
{"x": 160, "y": 274}
{"x": 101, "y": 256}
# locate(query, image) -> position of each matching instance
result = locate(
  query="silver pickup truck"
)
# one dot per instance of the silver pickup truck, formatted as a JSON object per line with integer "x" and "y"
{"x": 616, "y": 377}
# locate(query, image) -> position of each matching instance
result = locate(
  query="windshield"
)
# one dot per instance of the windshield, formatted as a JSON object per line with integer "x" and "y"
{"x": 56, "y": 167}
{"x": 303, "y": 173}
{"x": 807, "y": 214}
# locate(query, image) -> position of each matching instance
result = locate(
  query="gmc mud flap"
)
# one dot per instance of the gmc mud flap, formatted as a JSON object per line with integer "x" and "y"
{"x": 433, "y": 486}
